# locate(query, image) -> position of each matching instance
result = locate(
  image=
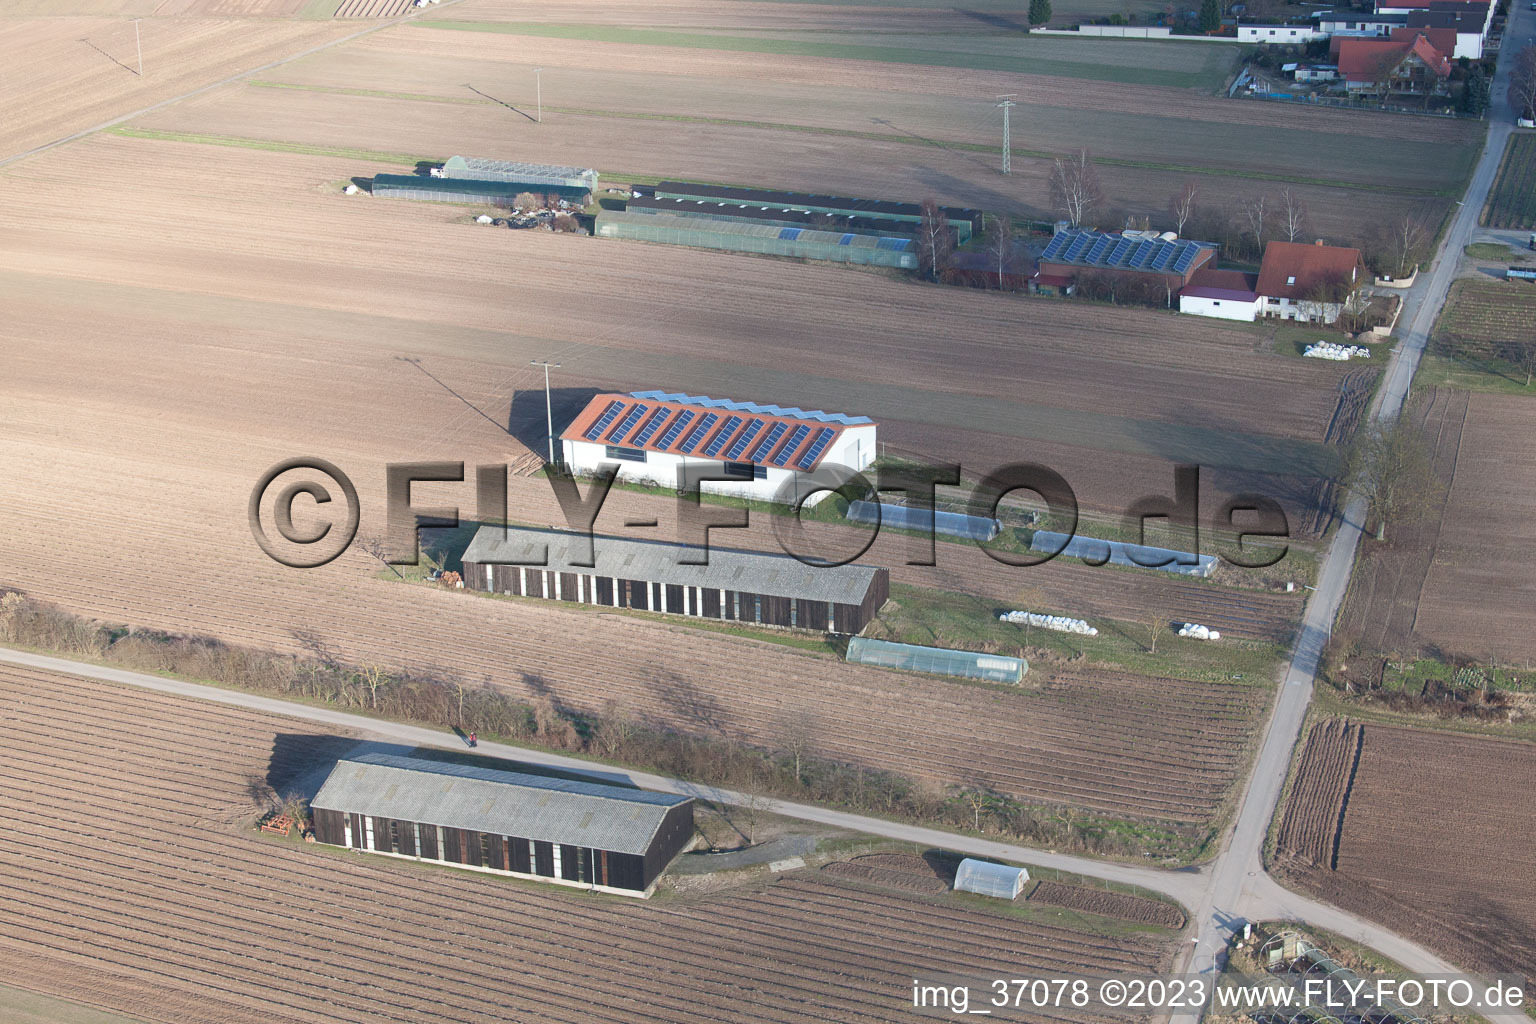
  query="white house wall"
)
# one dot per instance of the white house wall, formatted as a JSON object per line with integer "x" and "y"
{"x": 1221, "y": 309}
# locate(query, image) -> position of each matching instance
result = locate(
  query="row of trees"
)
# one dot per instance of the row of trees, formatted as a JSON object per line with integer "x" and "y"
{"x": 1522, "y": 83}
{"x": 791, "y": 764}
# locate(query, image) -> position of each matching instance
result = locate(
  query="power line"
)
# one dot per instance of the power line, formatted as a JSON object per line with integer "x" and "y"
{"x": 1007, "y": 105}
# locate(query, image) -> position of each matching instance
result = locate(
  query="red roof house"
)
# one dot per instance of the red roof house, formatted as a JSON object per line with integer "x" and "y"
{"x": 1413, "y": 66}
{"x": 1307, "y": 282}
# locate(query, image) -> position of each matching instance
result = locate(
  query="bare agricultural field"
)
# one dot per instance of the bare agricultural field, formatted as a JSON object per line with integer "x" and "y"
{"x": 69, "y": 73}
{"x": 1417, "y": 830}
{"x": 1383, "y": 607}
{"x": 1479, "y": 596}
{"x": 1512, "y": 203}
{"x": 144, "y": 918}
{"x": 1100, "y": 379}
{"x": 829, "y": 15}
{"x": 1483, "y": 313}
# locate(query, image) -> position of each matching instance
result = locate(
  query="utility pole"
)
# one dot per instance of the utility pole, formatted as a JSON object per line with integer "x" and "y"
{"x": 1007, "y": 104}
{"x": 138, "y": 46}
{"x": 538, "y": 88}
{"x": 549, "y": 411}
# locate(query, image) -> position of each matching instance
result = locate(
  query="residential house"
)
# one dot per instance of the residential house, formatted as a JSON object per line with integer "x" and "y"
{"x": 1311, "y": 283}
{"x": 1386, "y": 66}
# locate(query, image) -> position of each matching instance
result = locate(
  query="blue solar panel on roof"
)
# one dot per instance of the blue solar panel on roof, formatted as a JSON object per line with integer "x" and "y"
{"x": 769, "y": 440}
{"x": 1097, "y": 250}
{"x": 894, "y": 244}
{"x": 743, "y": 439}
{"x": 731, "y": 423}
{"x": 847, "y": 239}
{"x": 700, "y": 432}
{"x": 627, "y": 423}
{"x": 651, "y": 426}
{"x": 1165, "y": 255}
{"x": 790, "y": 445}
{"x": 789, "y": 234}
{"x": 823, "y": 438}
{"x": 602, "y": 421}
{"x": 684, "y": 418}
{"x": 1185, "y": 259}
{"x": 1119, "y": 251}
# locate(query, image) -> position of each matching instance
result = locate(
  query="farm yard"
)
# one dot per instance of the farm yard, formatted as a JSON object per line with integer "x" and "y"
{"x": 1416, "y": 830}
{"x": 200, "y": 918}
{"x": 242, "y": 284}
{"x": 1512, "y": 204}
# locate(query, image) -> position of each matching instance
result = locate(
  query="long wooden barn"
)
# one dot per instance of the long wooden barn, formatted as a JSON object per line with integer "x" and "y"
{"x": 583, "y": 834}
{"x": 740, "y": 586}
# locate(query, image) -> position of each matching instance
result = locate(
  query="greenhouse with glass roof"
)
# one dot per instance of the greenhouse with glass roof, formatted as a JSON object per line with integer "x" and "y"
{"x": 743, "y": 236}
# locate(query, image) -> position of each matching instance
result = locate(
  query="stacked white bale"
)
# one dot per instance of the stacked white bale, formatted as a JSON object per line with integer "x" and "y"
{"x": 1337, "y": 352}
{"x": 1060, "y": 623}
{"x": 1196, "y": 631}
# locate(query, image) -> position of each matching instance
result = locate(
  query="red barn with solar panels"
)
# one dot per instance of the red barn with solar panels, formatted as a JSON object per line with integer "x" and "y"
{"x": 752, "y": 450}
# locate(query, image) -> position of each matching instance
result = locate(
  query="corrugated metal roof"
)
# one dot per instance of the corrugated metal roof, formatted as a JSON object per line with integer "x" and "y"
{"x": 769, "y": 215}
{"x": 660, "y": 562}
{"x": 517, "y": 170}
{"x": 803, "y": 201}
{"x": 550, "y": 810}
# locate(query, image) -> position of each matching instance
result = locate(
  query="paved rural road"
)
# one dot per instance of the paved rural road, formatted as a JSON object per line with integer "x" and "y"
{"x": 1239, "y": 889}
{"x": 1185, "y": 886}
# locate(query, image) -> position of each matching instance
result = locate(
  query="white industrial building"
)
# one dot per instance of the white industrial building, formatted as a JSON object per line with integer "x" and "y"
{"x": 666, "y": 440}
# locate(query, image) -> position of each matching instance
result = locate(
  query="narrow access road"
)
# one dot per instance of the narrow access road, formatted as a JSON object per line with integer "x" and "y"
{"x": 1239, "y": 888}
{"x": 1184, "y": 886}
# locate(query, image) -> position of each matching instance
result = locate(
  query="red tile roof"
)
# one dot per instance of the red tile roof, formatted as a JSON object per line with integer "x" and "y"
{"x": 1442, "y": 39}
{"x": 1361, "y": 59}
{"x": 1291, "y": 270}
{"x": 1227, "y": 285}
{"x": 671, "y": 412}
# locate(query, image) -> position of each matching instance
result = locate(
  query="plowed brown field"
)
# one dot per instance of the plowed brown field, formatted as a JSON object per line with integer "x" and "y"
{"x": 65, "y": 74}
{"x": 1435, "y": 838}
{"x": 211, "y": 334}
{"x": 1479, "y": 597}
{"x": 154, "y": 896}
{"x": 1383, "y": 607}
{"x": 1108, "y": 904}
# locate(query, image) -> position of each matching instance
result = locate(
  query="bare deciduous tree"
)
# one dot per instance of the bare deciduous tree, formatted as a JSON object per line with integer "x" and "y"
{"x": 1181, "y": 206}
{"x": 935, "y": 241}
{"x": 796, "y": 736}
{"x": 1254, "y": 212}
{"x": 1522, "y": 83}
{"x": 1157, "y": 627}
{"x": 373, "y": 544}
{"x": 373, "y": 677}
{"x": 614, "y": 729}
{"x": 1407, "y": 243}
{"x": 1293, "y": 212}
{"x": 1390, "y": 466}
{"x": 1075, "y": 189}
{"x": 1000, "y": 246}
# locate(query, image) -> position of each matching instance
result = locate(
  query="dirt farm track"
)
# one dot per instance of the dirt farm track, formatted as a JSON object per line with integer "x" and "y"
{"x": 1462, "y": 878}
{"x": 144, "y": 805}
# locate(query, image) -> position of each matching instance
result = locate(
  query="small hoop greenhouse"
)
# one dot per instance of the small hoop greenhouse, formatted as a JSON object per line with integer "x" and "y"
{"x": 989, "y": 879}
{"x": 994, "y": 668}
